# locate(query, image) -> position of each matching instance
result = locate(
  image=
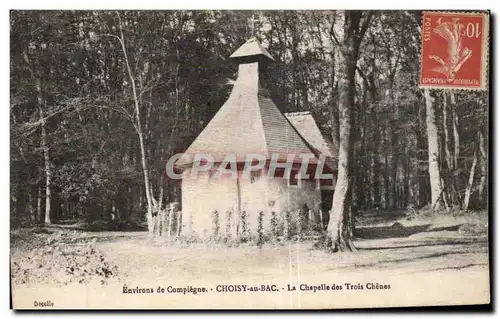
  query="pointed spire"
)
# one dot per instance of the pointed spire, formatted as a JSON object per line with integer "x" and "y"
{"x": 252, "y": 48}
{"x": 249, "y": 122}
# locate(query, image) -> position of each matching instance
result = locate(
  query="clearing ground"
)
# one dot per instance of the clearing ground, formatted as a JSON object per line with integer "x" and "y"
{"x": 418, "y": 259}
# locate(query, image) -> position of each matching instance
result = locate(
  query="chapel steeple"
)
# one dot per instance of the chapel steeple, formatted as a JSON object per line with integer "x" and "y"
{"x": 252, "y": 51}
{"x": 249, "y": 122}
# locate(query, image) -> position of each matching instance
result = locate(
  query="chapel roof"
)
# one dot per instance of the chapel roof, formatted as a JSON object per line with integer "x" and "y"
{"x": 250, "y": 123}
{"x": 307, "y": 127}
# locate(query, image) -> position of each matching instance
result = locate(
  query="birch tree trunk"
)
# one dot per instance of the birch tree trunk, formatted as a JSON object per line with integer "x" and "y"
{"x": 468, "y": 190}
{"x": 46, "y": 155}
{"x": 138, "y": 127}
{"x": 433, "y": 138}
{"x": 39, "y": 204}
{"x": 449, "y": 160}
{"x": 483, "y": 160}
{"x": 483, "y": 166}
{"x": 456, "y": 135}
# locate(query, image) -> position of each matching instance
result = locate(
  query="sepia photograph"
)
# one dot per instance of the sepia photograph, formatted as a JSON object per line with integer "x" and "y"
{"x": 249, "y": 159}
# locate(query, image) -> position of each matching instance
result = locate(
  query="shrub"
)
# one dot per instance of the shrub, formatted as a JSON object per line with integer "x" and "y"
{"x": 274, "y": 225}
{"x": 228, "y": 223}
{"x": 215, "y": 223}
{"x": 260, "y": 231}
{"x": 244, "y": 227}
{"x": 287, "y": 227}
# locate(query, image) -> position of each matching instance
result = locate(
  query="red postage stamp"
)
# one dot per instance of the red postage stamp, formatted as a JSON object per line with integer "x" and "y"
{"x": 454, "y": 50}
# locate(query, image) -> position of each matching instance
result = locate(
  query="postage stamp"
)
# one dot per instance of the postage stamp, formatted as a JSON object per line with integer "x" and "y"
{"x": 454, "y": 50}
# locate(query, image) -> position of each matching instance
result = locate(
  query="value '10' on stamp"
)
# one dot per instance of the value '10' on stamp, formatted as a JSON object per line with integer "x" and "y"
{"x": 454, "y": 50}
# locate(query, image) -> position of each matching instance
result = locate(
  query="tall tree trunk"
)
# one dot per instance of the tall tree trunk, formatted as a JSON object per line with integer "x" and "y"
{"x": 138, "y": 127}
{"x": 375, "y": 179}
{"x": 39, "y": 204}
{"x": 483, "y": 166}
{"x": 46, "y": 155}
{"x": 31, "y": 208}
{"x": 340, "y": 224}
{"x": 456, "y": 144}
{"x": 337, "y": 226}
{"x": 450, "y": 162}
{"x": 447, "y": 150}
{"x": 375, "y": 140}
{"x": 43, "y": 143}
{"x": 333, "y": 108}
{"x": 407, "y": 189}
{"x": 483, "y": 160}
{"x": 468, "y": 190}
{"x": 456, "y": 135}
{"x": 435, "y": 178}
{"x": 393, "y": 197}
{"x": 433, "y": 144}
{"x": 386, "y": 181}
{"x": 422, "y": 174}
{"x": 332, "y": 105}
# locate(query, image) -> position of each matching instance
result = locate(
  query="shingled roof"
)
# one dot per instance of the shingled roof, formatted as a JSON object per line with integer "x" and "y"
{"x": 309, "y": 130}
{"x": 249, "y": 122}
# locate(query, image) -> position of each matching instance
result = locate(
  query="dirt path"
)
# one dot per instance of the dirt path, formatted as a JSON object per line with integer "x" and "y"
{"x": 428, "y": 252}
{"x": 428, "y": 268}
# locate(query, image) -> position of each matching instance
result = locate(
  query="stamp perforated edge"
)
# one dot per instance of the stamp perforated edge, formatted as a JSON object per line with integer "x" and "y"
{"x": 484, "y": 85}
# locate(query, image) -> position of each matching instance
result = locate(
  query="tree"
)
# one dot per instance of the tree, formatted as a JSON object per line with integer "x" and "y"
{"x": 437, "y": 189}
{"x": 434, "y": 151}
{"x": 340, "y": 224}
{"x": 137, "y": 124}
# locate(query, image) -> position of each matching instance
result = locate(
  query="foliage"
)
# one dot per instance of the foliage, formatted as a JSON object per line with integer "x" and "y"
{"x": 183, "y": 75}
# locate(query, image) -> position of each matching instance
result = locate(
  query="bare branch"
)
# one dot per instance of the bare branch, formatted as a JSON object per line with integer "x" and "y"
{"x": 30, "y": 127}
{"x": 109, "y": 35}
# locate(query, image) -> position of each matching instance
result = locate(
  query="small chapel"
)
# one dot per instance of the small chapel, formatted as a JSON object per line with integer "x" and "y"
{"x": 250, "y": 122}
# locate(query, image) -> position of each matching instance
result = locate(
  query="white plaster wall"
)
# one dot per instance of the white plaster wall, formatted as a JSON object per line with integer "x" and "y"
{"x": 203, "y": 195}
{"x": 292, "y": 198}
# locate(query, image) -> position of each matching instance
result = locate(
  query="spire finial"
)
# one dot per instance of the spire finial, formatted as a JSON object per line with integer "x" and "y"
{"x": 252, "y": 22}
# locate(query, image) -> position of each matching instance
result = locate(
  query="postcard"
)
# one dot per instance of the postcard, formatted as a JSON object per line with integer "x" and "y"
{"x": 218, "y": 159}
